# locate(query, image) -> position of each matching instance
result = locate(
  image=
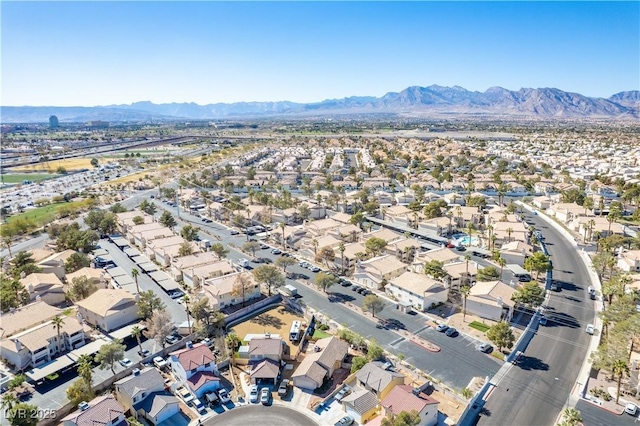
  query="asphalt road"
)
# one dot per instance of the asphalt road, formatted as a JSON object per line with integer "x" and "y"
{"x": 535, "y": 391}
{"x": 456, "y": 364}
{"x": 274, "y": 415}
{"x": 593, "y": 415}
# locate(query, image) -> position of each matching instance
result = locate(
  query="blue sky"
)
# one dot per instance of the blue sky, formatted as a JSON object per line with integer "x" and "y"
{"x": 87, "y": 53}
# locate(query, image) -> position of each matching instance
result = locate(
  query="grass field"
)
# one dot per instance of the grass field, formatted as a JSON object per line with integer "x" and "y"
{"x": 35, "y": 177}
{"x": 69, "y": 164}
{"x": 46, "y": 214}
{"x": 480, "y": 326}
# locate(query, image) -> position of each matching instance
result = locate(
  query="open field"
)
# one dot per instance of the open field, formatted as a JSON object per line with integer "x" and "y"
{"x": 131, "y": 178}
{"x": 276, "y": 321}
{"x": 35, "y": 177}
{"x": 46, "y": 214}
{"x": 69, "y": 164}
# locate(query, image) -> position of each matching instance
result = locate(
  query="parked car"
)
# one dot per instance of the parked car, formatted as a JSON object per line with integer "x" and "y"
{"x": 304, "y": 264}
{"x": 284, "y": 387}
{"x": 355, "y": 288}
{"x": 631, "y": 408}
{"x": 484, "y": 347}
{"x": 590, "y": 329}
{"x": 314, "y": 269}
{"x": 345, "y": 421}
{"x": 223, "y": 395}
{"x": 366, "y": 292}
{"x": 555, "y": 286}
{"x": 253, "y": 394}
{"x": 543, "y": 320}
{"x": 176, "y": 294}
{"x": 265, "y": 395}
{"x": 345, "y": 283}
{"x": 451, "y": 332}
{"x": 126, "y": 362}
{"x": 346, "y": 390}
{"x": 144, "y": 353}
{"x": 172, "y": 339}
{"x": 159, "y": 362}
{"x": 234, "y": 232}
{"x": 442, "y": 327}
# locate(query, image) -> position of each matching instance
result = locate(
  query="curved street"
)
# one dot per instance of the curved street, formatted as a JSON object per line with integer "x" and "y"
{"x": 535, "y": 391}
{"x": 274, "y": 415}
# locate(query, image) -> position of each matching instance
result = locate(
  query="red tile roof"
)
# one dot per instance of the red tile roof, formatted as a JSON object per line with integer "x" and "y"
{"x": 401, "y": 398}
{"x": 192, "y": 358}
{"x": 200, "y": 379}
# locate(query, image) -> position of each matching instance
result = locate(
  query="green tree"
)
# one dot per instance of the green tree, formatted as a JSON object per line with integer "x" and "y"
{"x": 404, "y": 418}
{"x": 373, "y": 304}
{"x": 94, "y": 162}
{"x": 109, "y": 354}
{"x": 137, "y": 333}
{"x": 22, "y": 262}
{"x": 8, "y": 401}
{"x": 118, "y": 208}
{"x": 620, "y": 369}
{"x": 137, "y": 220}
{"x": 374, "y": 351}
{"x": 148, "y": 302}
{"x": 80, "y": 391}
{"x": 531, "y": 295}
{"x": 71, "y": 237}
{"x": 12, "y": 293}
{"x": 251, "y": 247}
{"x": 148, "y": 207}
{"x": 357, "y": 219}
{"x": 324, "y": 281}
{"x": 23, "y": 414}
{"x": 185, "y": 249}
{"x": 490, "y": 273}
{"x": 81, "y": 288}
{"x": 85, "y": 368}
{"x": 357, "y": 363}
{"x": 219, "y": 250}
{"x": 58, "y": 322}
{"x": 501, "y": 335}
{"x": 76, "y": 261}
{"x": 134, "y": 275}
{"x": 435, "y": 269}
{"x": 570, "y": 417}
{"x": 189, "y": 232}
{"x": 284, "y": 263}
{"x": 464, "y": 291}
{"x": 537, "y": 262}
{"x": 168, "y": 220}
{"x": 375, "y": 245}
{"x": 270, "y": 276}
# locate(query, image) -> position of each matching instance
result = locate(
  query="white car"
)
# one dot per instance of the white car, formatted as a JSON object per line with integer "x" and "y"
{"x": 253, "y": 394}
{"x": 590, "y": 329}
{"x": 224, "y": 396}
{"x": 631, "y": 408}
{"x": 125, "y": 362}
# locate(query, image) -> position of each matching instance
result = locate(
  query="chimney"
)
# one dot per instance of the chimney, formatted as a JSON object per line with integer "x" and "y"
{"x": 18, "y": 345}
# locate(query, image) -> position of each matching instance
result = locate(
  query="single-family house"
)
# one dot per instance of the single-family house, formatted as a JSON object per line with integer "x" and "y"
{"x": 461, "y": 273}
{"x": 516, "y": 252}
{"x": 97, "y": 276}
{"x": 109, "y": 308}
{"x": 181, "y": 264}
{"x": 103, "y": 410}
{"x": 231, "y": 289}
{"x": 144, "y": 394}
{"x": 196, "y": 275}
{"x": 378, "y": 378}
{"x": 195, "y": 366}
{"x": 629, "y": 260}
{"x": 402, "y": 398}
{"x": 327, "y": 357}
{"x": 361, "y": 404}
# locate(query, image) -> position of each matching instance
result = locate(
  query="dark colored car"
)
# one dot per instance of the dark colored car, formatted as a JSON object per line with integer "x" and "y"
{"x": 451, "y": 332}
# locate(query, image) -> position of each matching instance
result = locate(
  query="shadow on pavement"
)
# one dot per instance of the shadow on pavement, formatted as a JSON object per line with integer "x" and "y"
{"x": 531, "y": 363}
{"x": 560, "y": 319}
{"x": 340, "y": 298}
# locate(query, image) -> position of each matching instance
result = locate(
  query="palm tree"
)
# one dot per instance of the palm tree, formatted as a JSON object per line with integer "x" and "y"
{"x": 571, "y": 417}
{"x": 57, "y": 323}
{"x": 467, "y": 258}
{"x": 342, "y": 248}
{"x": 502, "y": 264}
{"x": 315, "y": 246}
{"x": 186, "y": 300}
{"x": 8, "y": 401}
{"x": 620, "y": 368}
{"x": 464, "y": 291}
{"x": 284, "y": 240}
{"x": 134, "y": 274}
{"x": 85, "y": 367}
{"x": 137, "y": 332}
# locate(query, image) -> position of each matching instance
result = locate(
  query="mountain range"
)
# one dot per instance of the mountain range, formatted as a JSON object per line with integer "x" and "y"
{"x": 431, "y": 101}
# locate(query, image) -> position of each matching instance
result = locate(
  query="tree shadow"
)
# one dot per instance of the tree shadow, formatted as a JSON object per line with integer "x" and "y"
{"x": 567, "y": 285}
{"x": 340, "y": 298}
{"x": 530, "y": 363}
{"x": 268, "y": 320}
{"x": 560, "y": 319}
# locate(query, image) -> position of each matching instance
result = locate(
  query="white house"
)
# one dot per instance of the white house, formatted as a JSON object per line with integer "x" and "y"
{"x": 419, "y": 290}
{"x": 195, "y": 366}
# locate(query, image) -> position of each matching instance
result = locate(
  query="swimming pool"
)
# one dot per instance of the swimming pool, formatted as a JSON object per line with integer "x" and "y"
{"x": 467, "y": 241}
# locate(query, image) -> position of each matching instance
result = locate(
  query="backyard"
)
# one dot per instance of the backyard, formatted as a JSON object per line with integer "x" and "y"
{"x": 277, "y": 320}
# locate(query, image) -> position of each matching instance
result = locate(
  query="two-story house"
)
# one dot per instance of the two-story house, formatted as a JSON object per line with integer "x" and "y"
{"x": 229, "y": 290}
{"x": 196, "y": 275}
{"x": 144, "y": 394}
{"x": 629, "y": 260}
{"x": 109, "y": 308}
{"x": 54, "y": 264}
{"x": 417, "y": 290}
{"x": 374, "y": 273}
{"x": 316, "y": 366}
{"x": 195, "y": 366}
{"x": 265, "y": 355}
{"x": 45, "y": 287}
{"x": 403, "y": 398}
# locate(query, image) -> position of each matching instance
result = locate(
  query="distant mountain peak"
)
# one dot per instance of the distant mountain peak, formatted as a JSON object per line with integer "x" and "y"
{"x": 433, "y": 100}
